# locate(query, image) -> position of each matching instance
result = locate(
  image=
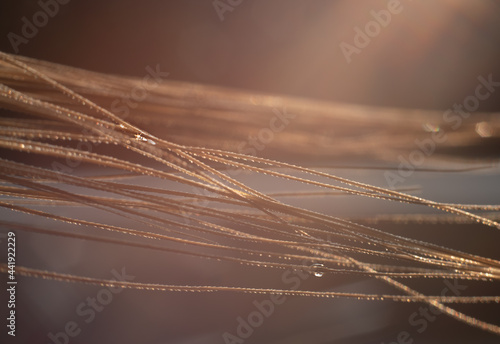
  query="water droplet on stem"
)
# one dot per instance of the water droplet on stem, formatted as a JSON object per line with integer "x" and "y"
{"x": 315, "y": 270}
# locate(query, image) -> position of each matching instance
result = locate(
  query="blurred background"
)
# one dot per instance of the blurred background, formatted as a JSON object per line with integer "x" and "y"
{"x": 428, "y": 56}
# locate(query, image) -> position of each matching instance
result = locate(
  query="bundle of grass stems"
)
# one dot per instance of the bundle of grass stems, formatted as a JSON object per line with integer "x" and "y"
{"x": 170, "y": 168}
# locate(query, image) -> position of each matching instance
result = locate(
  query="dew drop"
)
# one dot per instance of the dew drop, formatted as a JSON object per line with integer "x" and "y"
{"x": 315, "y": 270}
{"x": 139, "y": 137}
